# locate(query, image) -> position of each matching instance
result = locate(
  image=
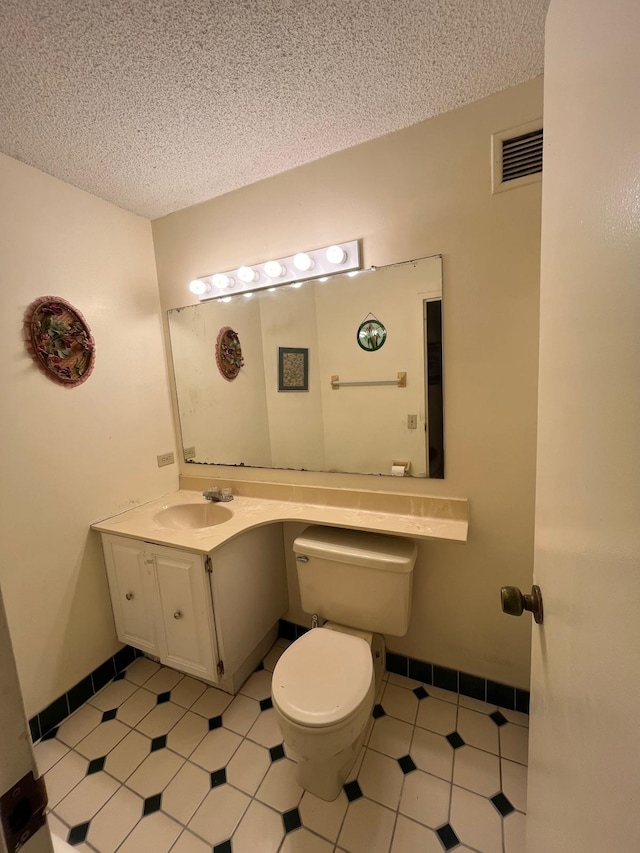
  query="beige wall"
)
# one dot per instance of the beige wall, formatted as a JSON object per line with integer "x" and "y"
{"x": 422, "y": 191}
{"x": 70, "y": 456}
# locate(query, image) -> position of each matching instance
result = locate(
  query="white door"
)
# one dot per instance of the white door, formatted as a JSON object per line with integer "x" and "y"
{"x": 584, "y": 780}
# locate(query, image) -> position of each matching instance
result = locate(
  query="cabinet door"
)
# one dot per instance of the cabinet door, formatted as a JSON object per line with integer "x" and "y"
{"x": 132, "y": 587}
{"x": 188, "y": 641}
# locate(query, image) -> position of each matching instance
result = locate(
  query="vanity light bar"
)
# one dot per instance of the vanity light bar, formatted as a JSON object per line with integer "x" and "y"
{"x": 294, "y": 269}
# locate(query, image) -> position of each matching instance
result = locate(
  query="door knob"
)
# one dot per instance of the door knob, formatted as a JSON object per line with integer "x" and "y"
{"x": 515, "y": 603}
{"x": 177, "y": 615}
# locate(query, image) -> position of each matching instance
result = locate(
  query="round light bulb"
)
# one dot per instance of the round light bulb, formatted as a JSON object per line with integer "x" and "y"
{"x": 222, "y": 281}
{"x": 336, "y": 255}
{"x": 248, "y": 295}
{"x": 302, "y": 262}
{"x": 247, "y": 275}
{"x": 226, "y": 299}
{"x": 199, "y": 287}
{"x": 274, "y": 269}
{"x": 296, "y": 284}
{"x": 352, "y": 274}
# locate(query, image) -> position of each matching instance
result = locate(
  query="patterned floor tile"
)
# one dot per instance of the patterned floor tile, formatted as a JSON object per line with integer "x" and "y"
{"x": 163, "y": 762}
{"x": 115, "y": 820}
{"x": 219, "y": 815}
{"x": 322, "y": 817}
{"x": 279, "y": 788}
{"x": 156, "y": 832}
{"x": 381, "y": 779}
{"x": 514, "y": 743}
{"x": 425, "y": 798}
{"x": 476, "y": 821}
{"x": 367, "y": 828}
{"x": 261, "y": 828}
{"x": 409, "y": 837}
{"x": 477, "y": 771}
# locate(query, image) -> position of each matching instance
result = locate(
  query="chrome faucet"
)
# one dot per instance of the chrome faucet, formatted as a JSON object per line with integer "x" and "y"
{"x": 215, "y": 494}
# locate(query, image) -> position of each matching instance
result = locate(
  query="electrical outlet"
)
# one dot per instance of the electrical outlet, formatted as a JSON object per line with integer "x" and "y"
{"x": 189, "y": 453}
{"x": 165, "y": 459}
{"x": 412, "y": 422}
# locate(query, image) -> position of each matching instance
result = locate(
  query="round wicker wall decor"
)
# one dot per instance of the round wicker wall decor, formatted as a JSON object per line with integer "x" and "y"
{"x": 59, "y": 340}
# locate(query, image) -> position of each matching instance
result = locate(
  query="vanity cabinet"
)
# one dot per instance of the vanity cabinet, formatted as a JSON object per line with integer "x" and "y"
{"x": 209, "y": 615}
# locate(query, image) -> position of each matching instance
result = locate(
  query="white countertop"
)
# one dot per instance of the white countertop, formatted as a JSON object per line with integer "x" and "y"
{"x": 447, "y": 520}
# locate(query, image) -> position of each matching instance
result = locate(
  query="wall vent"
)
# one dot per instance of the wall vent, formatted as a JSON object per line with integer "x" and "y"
{"x": 516, "y": 156}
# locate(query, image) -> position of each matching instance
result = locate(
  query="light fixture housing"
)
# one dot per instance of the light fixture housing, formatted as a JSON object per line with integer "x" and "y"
{"x": 296, "y": 268}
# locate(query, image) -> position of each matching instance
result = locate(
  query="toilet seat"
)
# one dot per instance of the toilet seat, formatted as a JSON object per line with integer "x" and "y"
{"x": 323, "y": 678}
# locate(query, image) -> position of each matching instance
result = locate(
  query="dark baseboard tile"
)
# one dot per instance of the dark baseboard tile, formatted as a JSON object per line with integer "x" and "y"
{"x": 473, "y": 686}
{"x": 58, "y": 710}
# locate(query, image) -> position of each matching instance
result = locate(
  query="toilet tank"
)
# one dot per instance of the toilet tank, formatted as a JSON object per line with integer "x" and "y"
{"x": 355, "y": 578}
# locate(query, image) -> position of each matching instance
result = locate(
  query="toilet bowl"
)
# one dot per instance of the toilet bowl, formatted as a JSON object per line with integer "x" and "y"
{"x": 324, "y": 684}
{"x": 323, "y": 691}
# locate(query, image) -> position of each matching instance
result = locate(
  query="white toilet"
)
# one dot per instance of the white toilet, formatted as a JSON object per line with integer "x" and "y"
{"x": 324, "y": 684}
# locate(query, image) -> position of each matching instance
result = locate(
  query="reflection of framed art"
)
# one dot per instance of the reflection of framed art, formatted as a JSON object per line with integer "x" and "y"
{"x": 293, "y": 369}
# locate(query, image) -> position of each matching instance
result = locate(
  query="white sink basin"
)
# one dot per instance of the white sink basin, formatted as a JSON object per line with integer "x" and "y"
{"x": 192, "y": 516}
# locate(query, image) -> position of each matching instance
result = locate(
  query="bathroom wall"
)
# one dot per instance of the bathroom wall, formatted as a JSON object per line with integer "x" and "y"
{"x": 71, "y": 456}
{"x": 417, "y": 192}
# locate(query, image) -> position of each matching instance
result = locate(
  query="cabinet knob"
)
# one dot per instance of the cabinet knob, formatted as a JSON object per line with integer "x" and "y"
{"x": 177, "y": 615}
{"x": 129, "y": 596}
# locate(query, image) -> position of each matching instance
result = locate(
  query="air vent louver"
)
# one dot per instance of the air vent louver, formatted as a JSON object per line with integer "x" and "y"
{"x": 522, "y": 156}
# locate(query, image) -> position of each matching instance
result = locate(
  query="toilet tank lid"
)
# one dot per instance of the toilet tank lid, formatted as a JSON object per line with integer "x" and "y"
{"x": 358, "y": 547}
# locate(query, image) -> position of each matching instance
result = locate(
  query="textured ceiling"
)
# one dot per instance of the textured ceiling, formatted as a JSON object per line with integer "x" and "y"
{"x": 158, "y": 104}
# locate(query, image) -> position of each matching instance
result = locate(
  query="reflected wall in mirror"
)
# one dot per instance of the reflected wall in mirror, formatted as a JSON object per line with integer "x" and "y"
{"x": 362, "y": 424}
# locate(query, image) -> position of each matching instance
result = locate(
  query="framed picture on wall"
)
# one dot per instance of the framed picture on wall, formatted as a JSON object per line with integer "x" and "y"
{"x": 293, "y": 369}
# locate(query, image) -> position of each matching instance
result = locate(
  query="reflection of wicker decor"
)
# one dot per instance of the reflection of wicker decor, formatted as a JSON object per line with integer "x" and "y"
{"x": 228, "y": 353}
{"x": 59, "y": 340}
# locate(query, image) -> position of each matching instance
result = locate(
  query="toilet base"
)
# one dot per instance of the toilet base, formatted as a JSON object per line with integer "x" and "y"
{"x": 325, "y": 777}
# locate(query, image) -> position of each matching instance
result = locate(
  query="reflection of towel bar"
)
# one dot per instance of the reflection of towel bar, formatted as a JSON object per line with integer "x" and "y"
{"x": 401, "y": 381}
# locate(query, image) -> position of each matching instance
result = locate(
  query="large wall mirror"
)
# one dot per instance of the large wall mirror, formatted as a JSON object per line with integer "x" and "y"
{"x": 356, "y": 412}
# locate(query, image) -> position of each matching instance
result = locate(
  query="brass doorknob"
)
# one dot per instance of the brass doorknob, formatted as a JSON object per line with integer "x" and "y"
{"x": 515, "y": 603}
{"x": 177, "y": 615}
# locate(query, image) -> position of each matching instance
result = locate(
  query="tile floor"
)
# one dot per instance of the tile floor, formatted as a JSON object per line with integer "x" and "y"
{"x": 158, "y": 762}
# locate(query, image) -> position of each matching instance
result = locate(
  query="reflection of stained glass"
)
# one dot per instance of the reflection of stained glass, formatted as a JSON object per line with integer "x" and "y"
{"x": 371, "y": 335}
